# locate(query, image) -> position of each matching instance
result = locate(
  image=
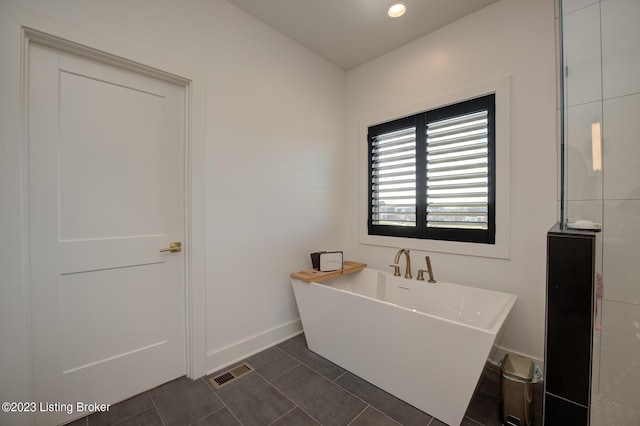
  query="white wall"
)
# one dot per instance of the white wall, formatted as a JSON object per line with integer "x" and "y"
{"x": 274, "y": 143}
{"x": 513, "y": 38}
{"x": 15, "y": 365}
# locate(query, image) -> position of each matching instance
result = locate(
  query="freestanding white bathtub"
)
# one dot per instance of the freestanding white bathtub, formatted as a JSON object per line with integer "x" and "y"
{"x": 424, "y": 343}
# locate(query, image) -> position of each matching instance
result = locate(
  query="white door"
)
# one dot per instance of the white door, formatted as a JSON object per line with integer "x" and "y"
{"x": 106, "y": 194}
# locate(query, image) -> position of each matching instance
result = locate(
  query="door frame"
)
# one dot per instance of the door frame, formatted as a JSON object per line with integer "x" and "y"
{"x": 34, "y": 27}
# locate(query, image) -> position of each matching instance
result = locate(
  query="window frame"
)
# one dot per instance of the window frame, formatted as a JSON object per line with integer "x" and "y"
{"x": 386, "y": 109}
{"x": 420, "y": 121}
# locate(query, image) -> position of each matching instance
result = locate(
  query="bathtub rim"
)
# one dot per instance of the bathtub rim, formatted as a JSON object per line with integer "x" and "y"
{"x": 498, "y": 323}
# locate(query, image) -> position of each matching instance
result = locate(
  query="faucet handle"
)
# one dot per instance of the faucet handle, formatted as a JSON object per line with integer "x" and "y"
{"x": 396, "y": 270}
{"x": 420, "y": 276}
{"x": 429, "y": 270}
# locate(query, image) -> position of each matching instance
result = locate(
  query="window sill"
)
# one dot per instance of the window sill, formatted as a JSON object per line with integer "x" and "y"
{"x": 499, "y": 250}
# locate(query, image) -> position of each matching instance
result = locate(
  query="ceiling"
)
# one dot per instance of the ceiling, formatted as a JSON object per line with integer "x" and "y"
{"x": 349, "y": 33}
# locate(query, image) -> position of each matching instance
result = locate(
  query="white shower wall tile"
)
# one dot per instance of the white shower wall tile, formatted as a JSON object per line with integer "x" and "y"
{"x": 582, "y": 55}
{"x": 620, "y": 357}
{"x": 595, "y": 363}
{"x": 569, "y": 6}
{"x": 621, "y": 241}
{"x": 605, "y": 412}
{"x": 584, "y": 183}
{"x": 622, "y": 147}
{"x": 559, "y": 165}
{"x": 599, "y": 252}
{"x": 620, "y": 47}
{"x": 585, "y": 210}
{"x": 559, "y": 93}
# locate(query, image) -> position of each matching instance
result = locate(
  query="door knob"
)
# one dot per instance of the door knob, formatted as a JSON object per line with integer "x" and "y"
{"x": 173, "y": 247}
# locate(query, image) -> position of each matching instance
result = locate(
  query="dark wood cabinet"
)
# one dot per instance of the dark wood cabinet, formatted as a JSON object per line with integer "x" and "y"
{"x": 569, "y": 326}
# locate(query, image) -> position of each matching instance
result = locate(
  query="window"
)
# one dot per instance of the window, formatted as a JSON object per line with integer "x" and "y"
{"x": 432, "y": 175}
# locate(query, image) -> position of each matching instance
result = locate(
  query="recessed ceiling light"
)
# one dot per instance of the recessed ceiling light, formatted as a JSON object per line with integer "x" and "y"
{"x": 397, "y": 9}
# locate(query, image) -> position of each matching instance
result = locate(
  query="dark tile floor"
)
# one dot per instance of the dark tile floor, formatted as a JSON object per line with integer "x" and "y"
{"x": 291, "y": 386}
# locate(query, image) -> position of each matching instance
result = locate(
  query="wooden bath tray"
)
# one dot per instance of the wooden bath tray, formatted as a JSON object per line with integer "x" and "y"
{"x": 311, "y": 275}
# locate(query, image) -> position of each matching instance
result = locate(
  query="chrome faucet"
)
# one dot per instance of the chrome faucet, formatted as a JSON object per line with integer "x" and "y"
{"x": 396, "y": 265}
{"x": 429, "y": 270}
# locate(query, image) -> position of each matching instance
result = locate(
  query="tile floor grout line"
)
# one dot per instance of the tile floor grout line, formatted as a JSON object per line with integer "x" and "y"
{"x": 358, "y": 415}
{"x": 285, "y": 352}
{"x": 132, "y": 416}
{"x": 300, "y": 363}
{"x": 433, "y": 419}
{"x": 224, "y": 404}
{"x": 294, "y": 407}
{"x": 295, "y": 404}
{"x": 313, "y": 369}
{"x": 353, "y": 394}
{"x": 287, "y": 370}
{"x": 156, "y": 407}
{"x": 341, "y": 387}
{"x": 473, "y": 420}
{"x": 284, "y": 372}
{"x": 391, "y": 418}
{"x": 128, "y": 417}
{"x": 316, "y": 371}
{"x": 340, "y": 376}
{"x": 477, "y": 391}
{"x": 373, "y": 406}
{"x": 290, "y": 341}
{"x": 232, "y": 413}
{"x": 212, "y": 413}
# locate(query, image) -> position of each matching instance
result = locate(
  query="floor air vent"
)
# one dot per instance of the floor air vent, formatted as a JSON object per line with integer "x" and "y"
{"x": 231, "y": 375}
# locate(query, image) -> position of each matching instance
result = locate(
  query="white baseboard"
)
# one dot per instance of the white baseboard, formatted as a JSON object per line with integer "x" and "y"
{"x": 220, "y": 358}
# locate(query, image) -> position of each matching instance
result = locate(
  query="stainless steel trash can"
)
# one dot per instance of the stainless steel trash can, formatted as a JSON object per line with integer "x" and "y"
{"x": 516, "y": 390}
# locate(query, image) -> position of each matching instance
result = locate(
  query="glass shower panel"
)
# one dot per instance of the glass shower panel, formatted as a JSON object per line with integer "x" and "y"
{"x": 582, "y": 116}
{"x": 600, "y": 177}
